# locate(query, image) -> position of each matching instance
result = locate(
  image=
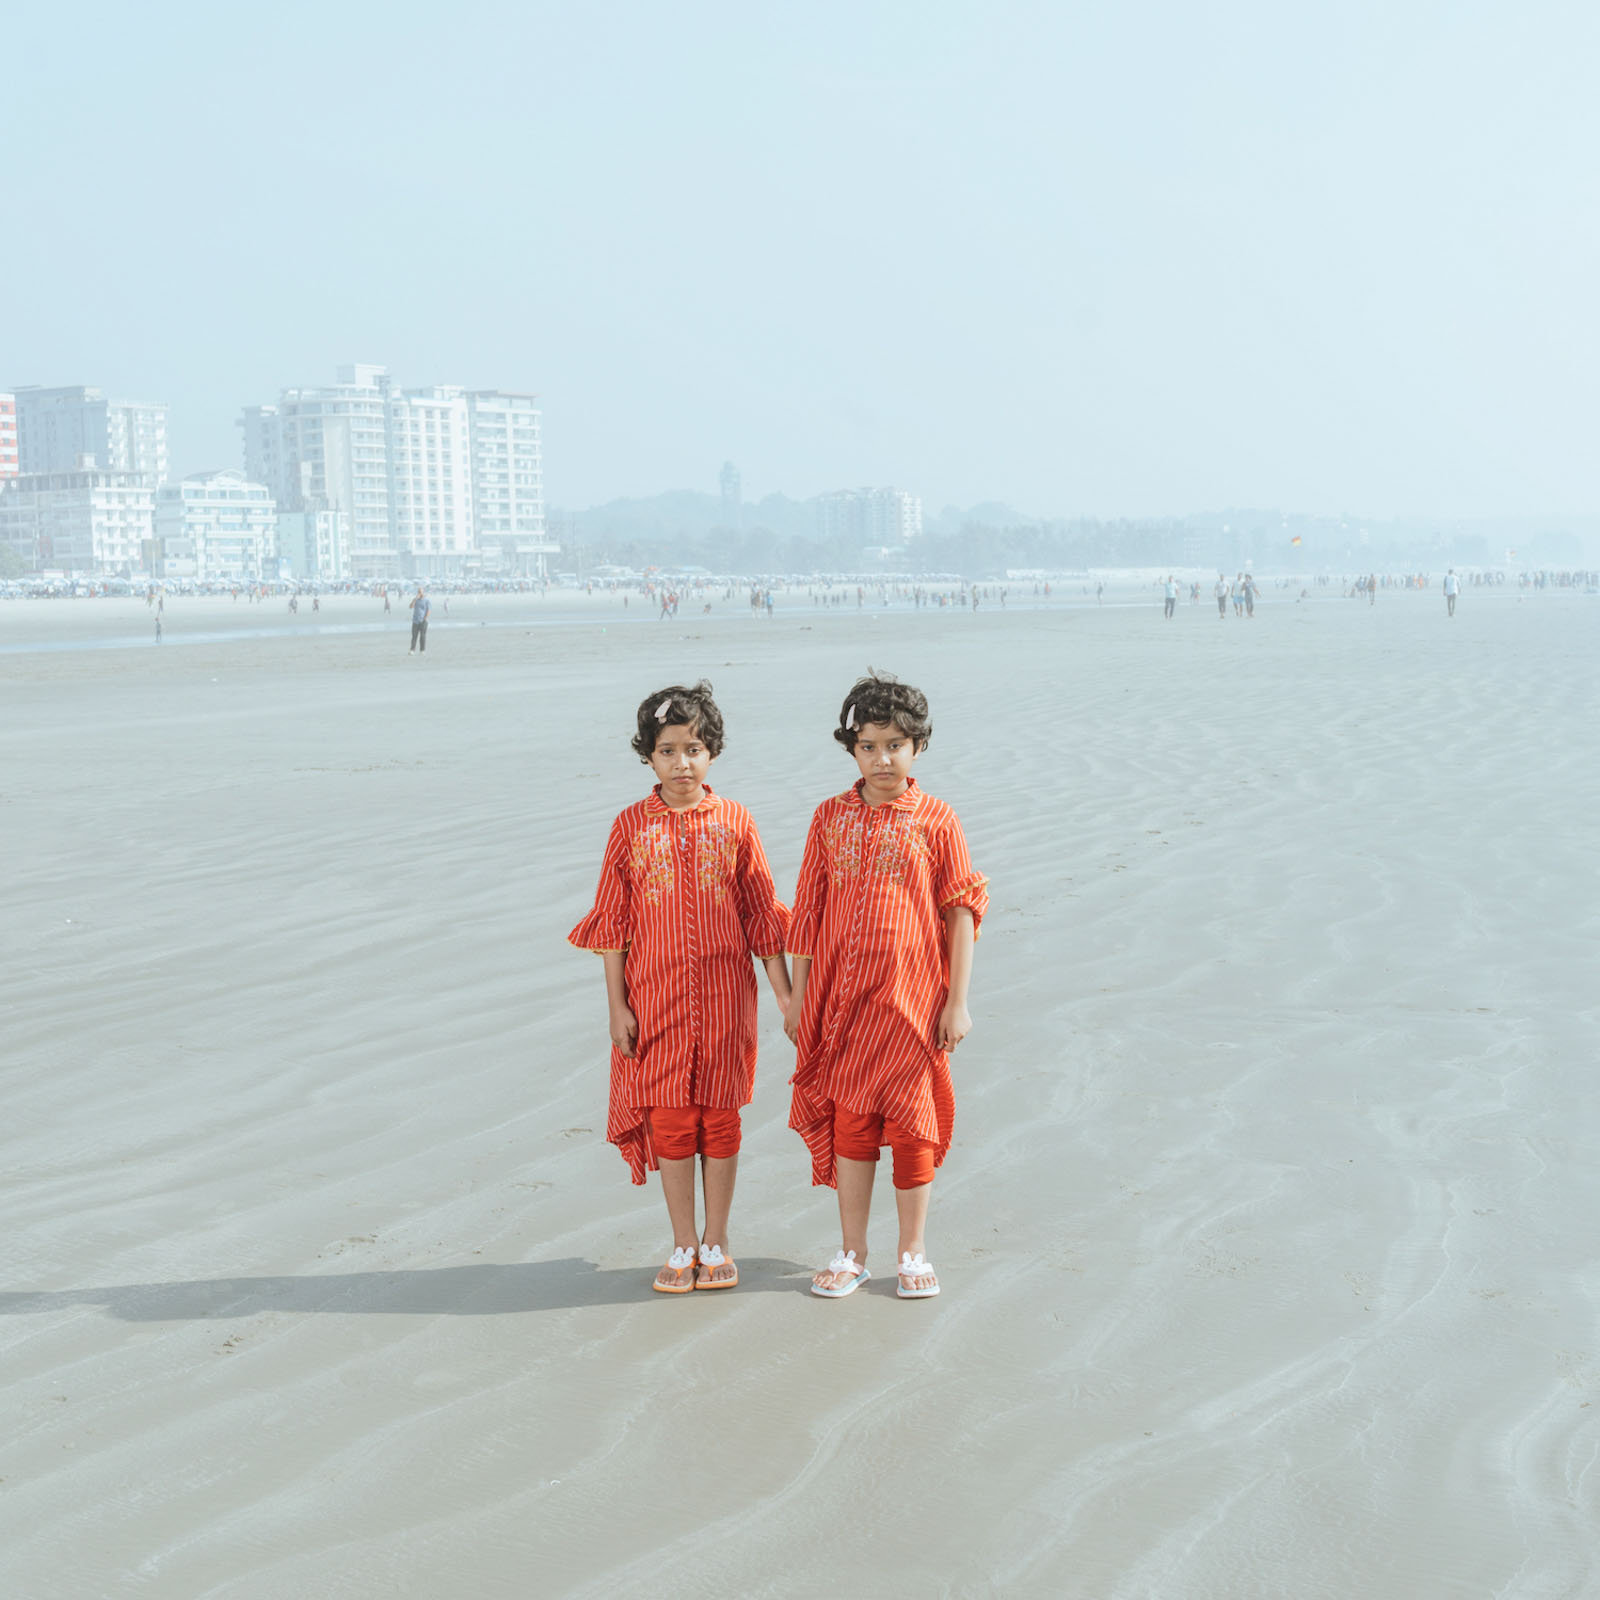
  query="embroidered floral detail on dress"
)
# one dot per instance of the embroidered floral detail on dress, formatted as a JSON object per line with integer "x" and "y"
{"x": 842, "y": 837}
{"x": 901, "y": 842}
{"x": 650, "y": 863}
{"x": 719, "y": 853}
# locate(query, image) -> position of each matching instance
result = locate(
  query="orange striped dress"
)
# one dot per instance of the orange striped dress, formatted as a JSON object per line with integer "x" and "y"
{"x": 874, "y": 883}
{"x": 690, "y": 898}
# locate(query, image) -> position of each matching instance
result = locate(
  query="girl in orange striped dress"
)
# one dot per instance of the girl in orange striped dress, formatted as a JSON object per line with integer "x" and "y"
{"x": 885, "y": 916}
{"x": 685, "y": 900}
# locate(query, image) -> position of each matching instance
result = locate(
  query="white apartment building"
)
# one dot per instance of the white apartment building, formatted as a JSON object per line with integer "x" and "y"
{"x": 431, "y": 481}
{"x": 508, "y": 481}
{"x": 216, "y": 527}
{"x": 57, "y": 428}
{"x": 327, "y": 449}
{"x": 870, "y": 516}
{"x": 311, "y": 543}
{"x": 91, "y": 519}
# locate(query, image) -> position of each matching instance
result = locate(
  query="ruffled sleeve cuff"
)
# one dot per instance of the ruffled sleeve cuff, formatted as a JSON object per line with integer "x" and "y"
{"x": 602, "y": 933}
{"x": 970, "y": 891}
{"x": 767, "y": 931}
{"x": 800, "y": 938}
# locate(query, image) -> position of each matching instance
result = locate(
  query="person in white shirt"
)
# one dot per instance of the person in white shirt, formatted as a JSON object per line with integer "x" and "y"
{"x": 1452, "y": 587}
{"x": 1172, "y": 595}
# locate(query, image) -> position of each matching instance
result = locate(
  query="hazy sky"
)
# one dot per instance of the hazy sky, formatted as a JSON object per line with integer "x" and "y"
{"x": 1086, "y": 258}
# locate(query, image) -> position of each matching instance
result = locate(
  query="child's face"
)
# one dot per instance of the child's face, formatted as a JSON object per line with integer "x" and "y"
{"x": 884, "y": 755}
{"x": 680, "y": 761}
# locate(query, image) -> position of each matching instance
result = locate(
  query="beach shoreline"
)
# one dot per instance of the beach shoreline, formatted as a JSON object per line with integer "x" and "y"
{"x": 1261, "y": 1238}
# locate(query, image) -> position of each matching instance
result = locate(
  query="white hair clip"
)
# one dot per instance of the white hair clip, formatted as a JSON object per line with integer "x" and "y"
{"x": 850, "y": 718}
{"x": 663, "y": 709}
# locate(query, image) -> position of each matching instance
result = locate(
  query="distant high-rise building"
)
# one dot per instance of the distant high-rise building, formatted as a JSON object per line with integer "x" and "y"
{"x": 869, "y": 516}
{"x": 328, "y": 449}
{"x": 431, "y": 481}
{"x": 216, "y": 527}
{"x": 91, "y": 519}
{"x": 8, "y": 436}
{"x": 732, "y": 496}
{"x": 57, "y": 428}
{"x": 508, "y": 480}
{"x": 430, "y": 478}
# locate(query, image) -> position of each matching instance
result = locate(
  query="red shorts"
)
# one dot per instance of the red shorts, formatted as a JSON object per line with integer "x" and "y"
{"x": 679, "y": 1133}
{"x": 858, "y": 1135}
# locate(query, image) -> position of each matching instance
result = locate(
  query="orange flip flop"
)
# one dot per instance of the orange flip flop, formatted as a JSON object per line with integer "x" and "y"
{"x": 679, "y": 1262}
{"x": 712, "y": 1256}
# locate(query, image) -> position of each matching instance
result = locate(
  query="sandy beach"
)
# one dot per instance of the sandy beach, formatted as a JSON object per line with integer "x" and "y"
{"x": 1265, "y": 1237}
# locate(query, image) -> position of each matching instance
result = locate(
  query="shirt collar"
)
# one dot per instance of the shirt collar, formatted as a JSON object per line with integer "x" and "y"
{"x": 906, "y": 801}
{"x": 656, "y": 806}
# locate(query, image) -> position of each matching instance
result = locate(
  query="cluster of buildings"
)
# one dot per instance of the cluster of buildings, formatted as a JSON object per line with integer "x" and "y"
{"x": 880, "y": 519}
{"x": 358, "y": 480}
{"x": 871, "y": 518}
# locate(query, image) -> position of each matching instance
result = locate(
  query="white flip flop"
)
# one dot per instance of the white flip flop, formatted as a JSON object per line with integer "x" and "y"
{"x": 843, "y": 1262}
{"x": 913, "y": 1266}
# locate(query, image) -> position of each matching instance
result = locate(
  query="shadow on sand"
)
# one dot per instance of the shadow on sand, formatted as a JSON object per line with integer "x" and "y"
{"x": 475, "y": 1291}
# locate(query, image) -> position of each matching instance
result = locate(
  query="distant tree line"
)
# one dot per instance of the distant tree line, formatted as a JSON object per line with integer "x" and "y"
{"x": 1225, "y": 542}
{"x": 973, "y": 550}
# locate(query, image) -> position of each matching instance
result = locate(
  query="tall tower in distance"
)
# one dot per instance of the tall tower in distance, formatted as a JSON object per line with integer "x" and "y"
{"x": 732, "y": 496}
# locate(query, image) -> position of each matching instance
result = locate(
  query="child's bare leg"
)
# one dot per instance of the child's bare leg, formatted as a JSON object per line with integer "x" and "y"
{"x": 912, "y": 1204}
{"x": 853, "y": 1181}
{"x": 717, "y": 1174}
{"x": 677, "y": 1185}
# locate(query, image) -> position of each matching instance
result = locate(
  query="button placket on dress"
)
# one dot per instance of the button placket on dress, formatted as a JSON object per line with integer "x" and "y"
{"x": 868, "y": 824}
{"x": 683, "y": 821}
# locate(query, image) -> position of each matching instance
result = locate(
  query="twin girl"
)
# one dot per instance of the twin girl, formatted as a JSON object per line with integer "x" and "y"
{"x": 886, "y": 912}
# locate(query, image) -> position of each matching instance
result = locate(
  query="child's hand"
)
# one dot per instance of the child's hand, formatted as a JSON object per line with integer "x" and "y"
{"x": 624, "y": 1030}
{"x": 955, "y": 1023}
{"x": 791, "y": 1021}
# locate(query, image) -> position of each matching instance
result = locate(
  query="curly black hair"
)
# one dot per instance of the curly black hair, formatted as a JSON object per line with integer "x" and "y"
{"x": 691, "y": 708}
{"x": 882, "y": 698}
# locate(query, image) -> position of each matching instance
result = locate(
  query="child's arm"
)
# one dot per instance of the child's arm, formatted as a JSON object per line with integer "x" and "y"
{"x": 797, "y": 998}
{"x": 764, "y": 917}
{"x": 955, "y": 1022}
{"x": 624, "y": 1025}
{"x": 778, "y": 977}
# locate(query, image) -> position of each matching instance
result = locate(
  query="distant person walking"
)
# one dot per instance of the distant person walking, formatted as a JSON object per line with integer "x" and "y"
{"x": 1372, "y": 588}
{"x": 1221, "y": 592}
{"x": 1249, "y": 595}
{"x": 1172, "y": 596}
{"x": 420, "y": 608}
{"x": 1452, "y": 587}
